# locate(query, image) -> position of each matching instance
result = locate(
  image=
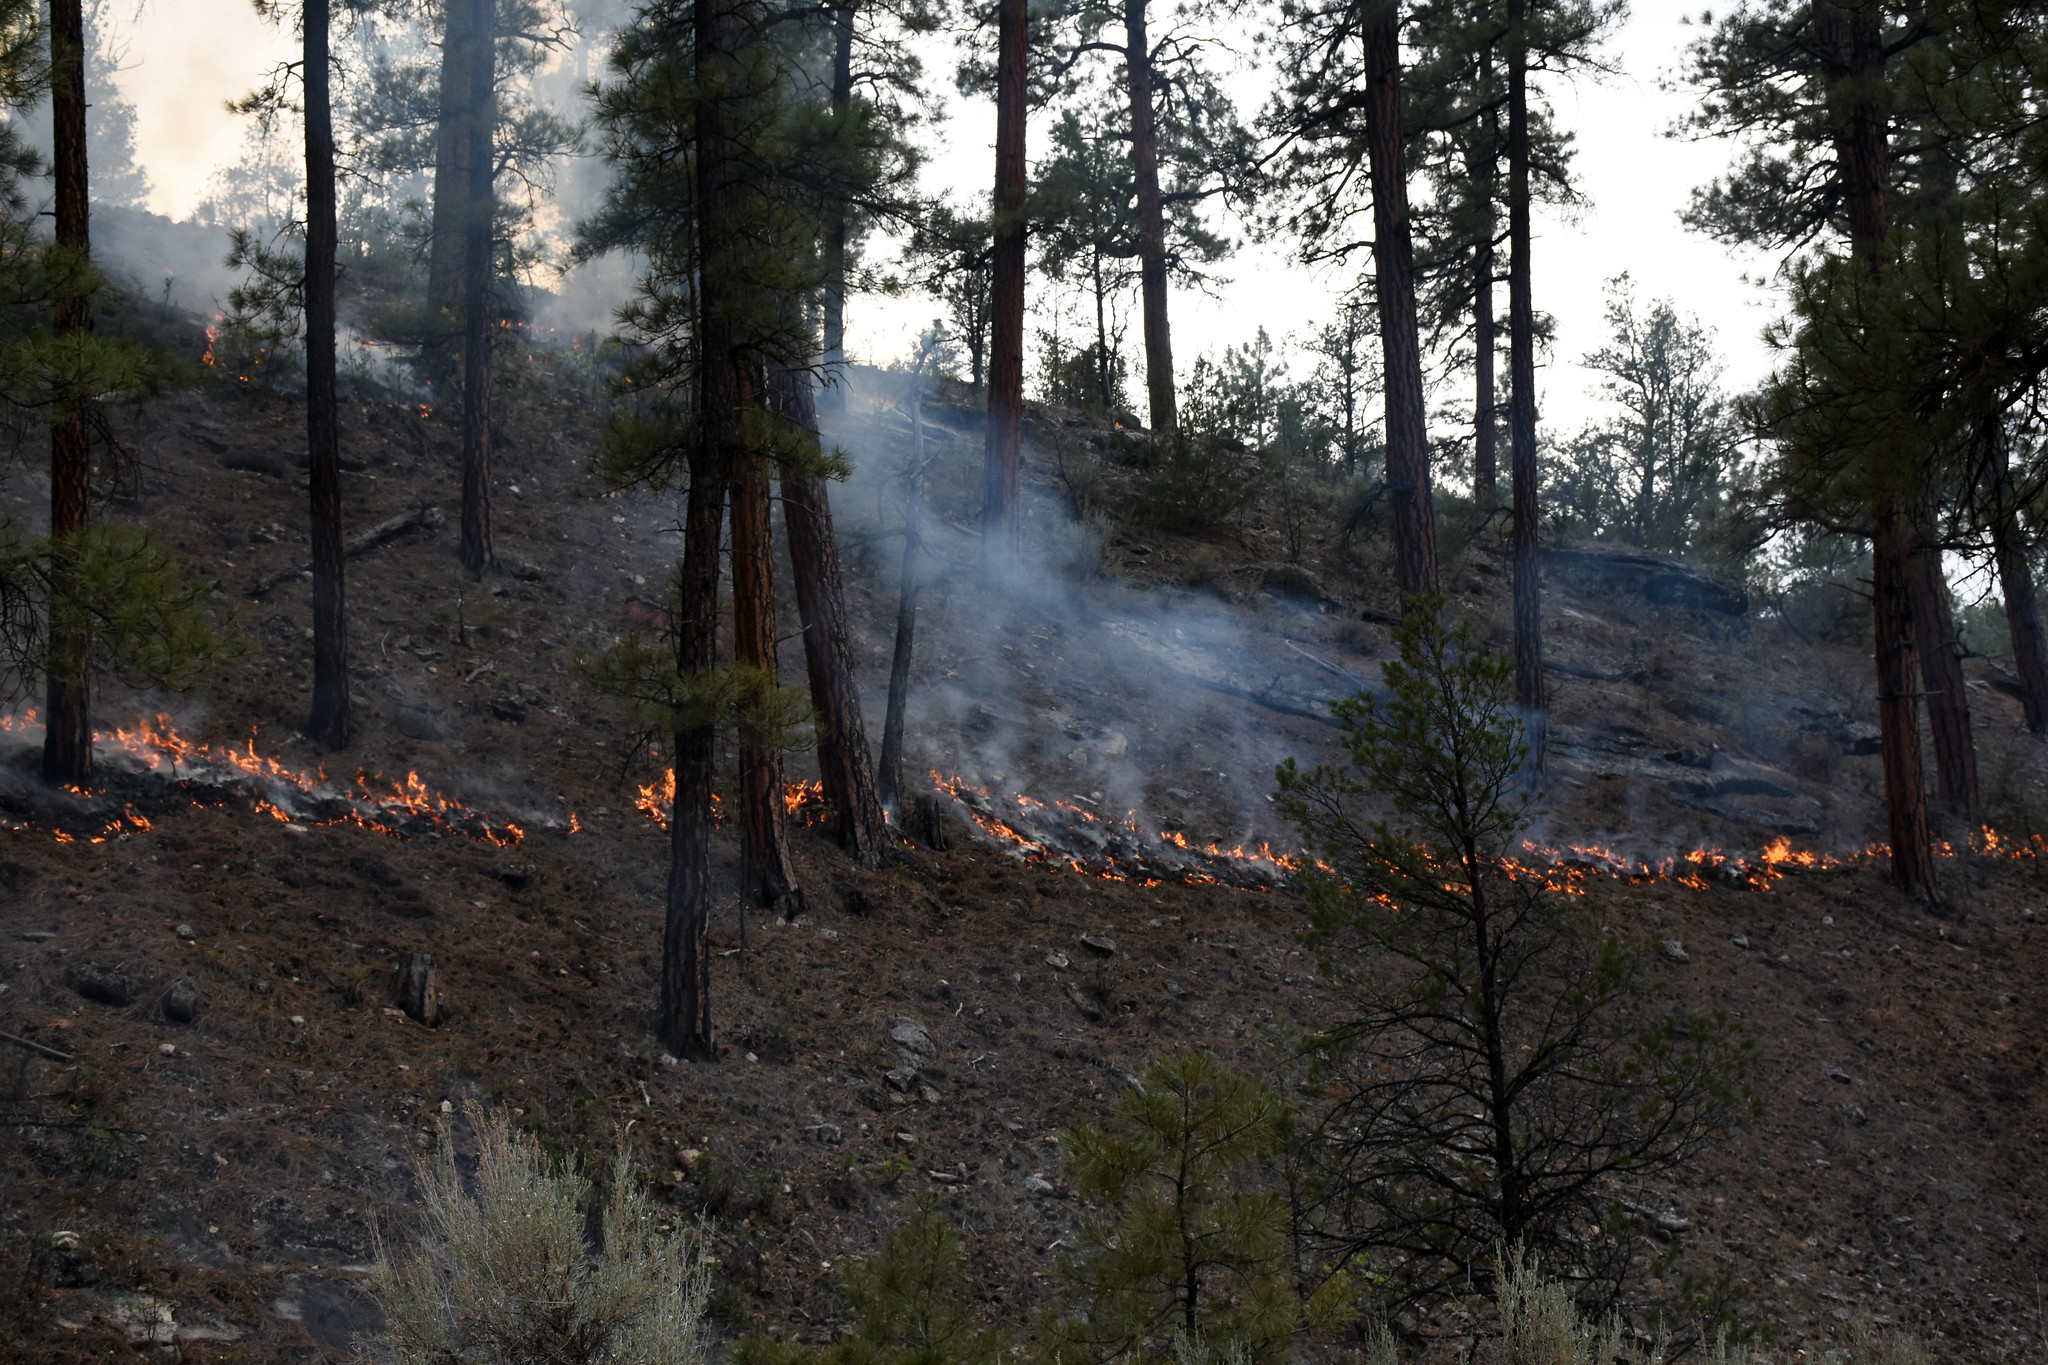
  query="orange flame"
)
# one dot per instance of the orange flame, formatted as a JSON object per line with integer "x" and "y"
{"x": 291, "y": 796}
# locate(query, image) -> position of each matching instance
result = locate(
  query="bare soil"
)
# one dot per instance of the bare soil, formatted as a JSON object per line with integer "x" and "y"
{"x": 233, "y": 1170}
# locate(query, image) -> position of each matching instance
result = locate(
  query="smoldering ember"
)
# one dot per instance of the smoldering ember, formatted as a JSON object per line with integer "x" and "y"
{"x": 920, "y": 685}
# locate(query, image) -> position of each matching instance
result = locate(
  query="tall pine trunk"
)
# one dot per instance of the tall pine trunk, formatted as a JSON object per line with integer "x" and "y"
{"x": 1394, "y": 268}
{"x": 2016, "y": 584}
{"x": 67, "y": 719}
{"x": 331, "y": 718}
{"x": 770, "y": 874}
{"x": 838, "y": 227}
{"x": 1151, "y": 220}
{"x": 1941, "y": 675}
{"x": 479, "y": 222}
{"x": 685, "y": 1017}
{"x": 450, "y": 191}
{"x": 1849, "y": 45}
{"x": 1001, "y": 513}
{"x": 1898, "y": 720}
{"x": 1484, "y": 168}
{"x": 1528, "y": 584}
{"x": 906, "y": 609}
{"x": 845, "y": 769}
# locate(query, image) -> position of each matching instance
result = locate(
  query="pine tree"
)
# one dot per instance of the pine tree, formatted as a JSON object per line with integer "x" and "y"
{"x": 1002, "y": 476}
{"x": 1813, "y": 90}
{"x": 67, "y": 716}
{"x": 332, "y": 716}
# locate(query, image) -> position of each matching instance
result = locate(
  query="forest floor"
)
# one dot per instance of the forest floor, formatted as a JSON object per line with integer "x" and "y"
{"x": 220, "y": 1182}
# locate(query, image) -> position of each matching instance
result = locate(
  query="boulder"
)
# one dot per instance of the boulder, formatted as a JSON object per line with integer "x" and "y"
{"x": 181, "y": 1003}
{"x": 1662, "y": 579}
{"x": 101, "y": 984}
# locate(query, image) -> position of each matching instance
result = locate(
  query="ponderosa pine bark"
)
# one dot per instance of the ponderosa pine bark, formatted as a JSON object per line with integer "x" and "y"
{"x": 2016, "y": 583}
{"x": 685, "y": 1023}
{"x": 1528, "y": 587}
{"x": 770, "y": 872}
{"x": 451, "y": 190}
{"x": 891, "y": 777}
{"x": 838, "y": 228}
{"x": 1849, "y": 45}
{"x": 67, "y": 711}
{"x": 1483, "y": 167}
{"x": 845, "y": 770}
{"x": 479, "y": 221}
{"x": 1002, "y": 488}
{"x": 1941, "y": 674}
{"x": 1138, "y": 75}
{"x": 1394, "y": 268}
{"x": 331, "y": 719}
{"x": 1898, "y": 719}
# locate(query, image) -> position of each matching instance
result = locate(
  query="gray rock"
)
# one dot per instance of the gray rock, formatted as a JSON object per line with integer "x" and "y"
{"x": 1740, "y": 940}
{"x": 181, "y": 1003}
{"x": 829, "y": 1134}
{"x": 1037, "y": 1184}
{"x": 101, "y": 984}
{"x": 1175, "y": 989}
{"x": 416, "y": 724}
{"x": 928, "y": 1095}
{"x": 1675, "y": 950}
{"x": 1096, "y": 943}
{"x": 1835, "y": 1073}
{"x": 1089, "y": 1009}
{"x": 901, "y": 1078}
{"x": 1057, "y": 961}
{"x": 912, "y": 1043}
{"x": 185, "y": 932}
{"x": 262, "y": 985}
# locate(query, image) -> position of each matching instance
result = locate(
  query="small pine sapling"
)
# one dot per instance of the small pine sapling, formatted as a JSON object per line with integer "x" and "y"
{"x": 1505, "y": 1067}
{"x": 906, "y": 1303}
{"x": 1197, "y": 1254}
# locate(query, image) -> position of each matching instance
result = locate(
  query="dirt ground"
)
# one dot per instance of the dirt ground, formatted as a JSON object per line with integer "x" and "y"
{"x": 219, "y": 1182}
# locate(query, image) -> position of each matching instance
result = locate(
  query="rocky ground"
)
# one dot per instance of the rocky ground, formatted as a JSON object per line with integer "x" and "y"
{"x": 216, "y": 1183}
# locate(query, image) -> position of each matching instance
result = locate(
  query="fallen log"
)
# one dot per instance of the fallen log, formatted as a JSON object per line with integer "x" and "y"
{"x": 360, "y": 544}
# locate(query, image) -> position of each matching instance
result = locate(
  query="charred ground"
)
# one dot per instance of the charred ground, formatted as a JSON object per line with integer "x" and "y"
{"x": 235, "y": 1178}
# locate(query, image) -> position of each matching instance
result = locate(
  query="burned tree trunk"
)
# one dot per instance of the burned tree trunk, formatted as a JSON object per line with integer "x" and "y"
{"x": 1394, "y": 269}
{"x": 67, "y": 718}
{"x": 1941, "y": 673}
{"x": 1151, "y": 220}
{"x": 838, "y": 229}
{"x": 770, "y": 875}
{"x": 844, "y": 766}
{"x": 1897, "y": 716}
{"x": 1528, "y": 587}
{"x": 332, "y": 714}
{"x": 906, "y": 609}
{"x": 451, "y": 190}
{"x": 479, "y": 221}
{"x": 1003, "y": 470}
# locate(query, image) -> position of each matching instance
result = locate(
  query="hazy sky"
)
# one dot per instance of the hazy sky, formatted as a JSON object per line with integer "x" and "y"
{"x": 185, "y": 58}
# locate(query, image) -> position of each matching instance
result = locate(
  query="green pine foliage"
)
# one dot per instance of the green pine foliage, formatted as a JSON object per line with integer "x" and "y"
{"x": 907, "y": 1306}
{"x": 1198, "y": 1249}
{"x": 1503, "y": 1067}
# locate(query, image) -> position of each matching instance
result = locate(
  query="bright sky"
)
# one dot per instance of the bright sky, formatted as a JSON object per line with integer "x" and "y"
{"x": 186, "y": 57}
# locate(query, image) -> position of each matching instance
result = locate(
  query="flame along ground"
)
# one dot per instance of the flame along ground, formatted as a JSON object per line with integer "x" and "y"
{"x": 209, "y": 775}
{"x": 1061, "y": 834}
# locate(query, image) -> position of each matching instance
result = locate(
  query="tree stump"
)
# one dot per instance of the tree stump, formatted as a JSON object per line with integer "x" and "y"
{"x": 924, "y": 820}
{"x": 419, "y": 994}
